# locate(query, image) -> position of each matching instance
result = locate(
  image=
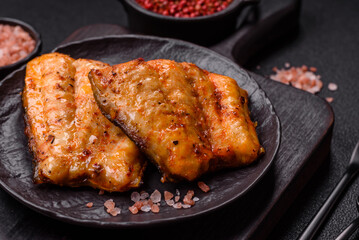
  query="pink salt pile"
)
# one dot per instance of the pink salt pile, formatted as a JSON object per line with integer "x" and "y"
{"x": 111, "y": 209}
{"x": 145, "y": 202}
{"x": 15, "y": 44}
{"x": 300, "y": 77}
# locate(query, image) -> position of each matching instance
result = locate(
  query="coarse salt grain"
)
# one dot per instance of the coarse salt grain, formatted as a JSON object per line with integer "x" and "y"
{"x": 168, "y": 195}
{"x": 196, "y": 199}
{"x": 138, "y": 205}
{"x": 190, "y": 193}
{"x": 299, "y": 77}
{"x": 144, "y": 195}
{"x": 329, "y": 99}
{"x": 155, "y": 208}
{"x": 133, "y": 209}
{"x": 204, "y": 187}
{"x": 287, "y": 64}
{"x": 177, "y": 198}
{"x": 114, "y": 211}
{"x": 101, "y": 192}
{"x": 177, "y": 205}
{"x": 156, "y": 196}
{"x": 170, "y": 202}
{"x": 109, "y": 204}
{"x": 89, "y": 205}
{"x": 186, "y": 205}
{"x": 146, "y": 208}
{"x": 178, "y": 192}
{"x": 135, "y": 196}
{"x": 332, "y": 87}
{"x": 188, "y": 200}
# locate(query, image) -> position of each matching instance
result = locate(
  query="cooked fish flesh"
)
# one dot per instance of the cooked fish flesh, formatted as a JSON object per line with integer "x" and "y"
{"x": 188, "y": 121}
{"x": 72, "y": 142}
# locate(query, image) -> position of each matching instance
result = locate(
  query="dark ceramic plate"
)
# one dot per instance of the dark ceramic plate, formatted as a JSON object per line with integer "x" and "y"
{"x": 69, "y": 204}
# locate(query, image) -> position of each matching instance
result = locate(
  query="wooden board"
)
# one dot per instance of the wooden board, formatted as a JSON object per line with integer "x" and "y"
{"x": 306, "y": 122}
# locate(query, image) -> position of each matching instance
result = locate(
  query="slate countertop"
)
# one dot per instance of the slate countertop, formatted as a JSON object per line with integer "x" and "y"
{"x": 328, "y": 39}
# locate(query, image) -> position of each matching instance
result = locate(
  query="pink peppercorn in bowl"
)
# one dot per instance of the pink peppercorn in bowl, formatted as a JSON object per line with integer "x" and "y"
{"x": 185, "y": 22}
{"x": 23, "y": 40}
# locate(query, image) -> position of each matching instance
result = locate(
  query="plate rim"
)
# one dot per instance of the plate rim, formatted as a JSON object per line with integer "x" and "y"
{"x": 116, "y": 224}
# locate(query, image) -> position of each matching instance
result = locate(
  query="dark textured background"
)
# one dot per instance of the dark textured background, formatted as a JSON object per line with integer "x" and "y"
{"x": 328, "y": 38}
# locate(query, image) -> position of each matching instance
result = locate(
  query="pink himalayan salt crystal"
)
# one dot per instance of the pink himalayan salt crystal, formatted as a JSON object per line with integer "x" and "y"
{"x": 204, "y": 187}
{"x": 89, "y": 205}
{"x": 186, "y": 206}
{"x": 133, "y": 209}
{"x": 329, "y": 99}
{"x": 177, "y": 205}
{"x": 114, "y": 211}
{"x": 109, "y": 204}
{"x": 332, "y": 86}
{"x": 156, "y": 196}
{"x": 177, "y": 198}
{"x": 15, "y": 44}
{"x": 168, "y": 195}
{"x": 299, "y": 77}
{"x": 155, "y": 208}
{"x": 146, "y": 208}
{"x": 135, "y": 196}
{"x": 170, "y": 202}
{"x": 188, "y": 200}
{"x": 144, "y": 195}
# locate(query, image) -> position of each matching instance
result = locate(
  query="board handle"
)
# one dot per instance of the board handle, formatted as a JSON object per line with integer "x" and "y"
{"x": 257, "y": 34}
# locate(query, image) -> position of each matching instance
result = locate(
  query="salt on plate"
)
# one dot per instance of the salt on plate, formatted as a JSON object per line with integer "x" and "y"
{"x": 146, "y": 208}
{"x": 135, "y": 196}
{"x": 156, "y": 196}
{"x": 168, "y": 195}
{"x": 170, "y": 202}
{"x": 332, "y": 87}
{"x": 144, "y": 195}
{"x": 155, "y": 208}
{"x": 177, "y": 205}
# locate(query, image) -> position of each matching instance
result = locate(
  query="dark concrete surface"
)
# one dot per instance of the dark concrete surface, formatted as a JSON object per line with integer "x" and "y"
{"x": 328, "y": 38}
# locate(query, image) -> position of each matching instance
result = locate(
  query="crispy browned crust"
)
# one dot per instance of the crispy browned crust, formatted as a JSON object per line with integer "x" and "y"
{"x": 186, "y": 120}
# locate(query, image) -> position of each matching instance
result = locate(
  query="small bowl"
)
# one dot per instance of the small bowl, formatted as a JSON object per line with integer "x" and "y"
{"x": 5, "y": 70}
{"x": 203, "y": 30}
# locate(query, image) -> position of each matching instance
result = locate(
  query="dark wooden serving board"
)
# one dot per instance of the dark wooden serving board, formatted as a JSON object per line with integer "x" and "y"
{"x": 306, "y": 123}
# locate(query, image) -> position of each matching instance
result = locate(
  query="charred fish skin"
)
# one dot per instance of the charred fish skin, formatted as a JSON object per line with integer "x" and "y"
{"x": 72, "y": 143}
{"x": 178, "y": 115}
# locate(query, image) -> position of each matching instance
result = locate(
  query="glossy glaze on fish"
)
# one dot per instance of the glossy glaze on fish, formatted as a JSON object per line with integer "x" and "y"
{"x": 72, "y": 142}
{"x": 188, "y": 121}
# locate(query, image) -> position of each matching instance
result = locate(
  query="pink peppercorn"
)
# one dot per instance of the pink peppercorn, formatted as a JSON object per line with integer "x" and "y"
{"x": 185, "y": 8}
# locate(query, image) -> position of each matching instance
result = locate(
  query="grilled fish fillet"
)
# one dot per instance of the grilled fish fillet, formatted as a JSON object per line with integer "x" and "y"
{"x": 186, "y": 120}
{"x": 72, "y": 142}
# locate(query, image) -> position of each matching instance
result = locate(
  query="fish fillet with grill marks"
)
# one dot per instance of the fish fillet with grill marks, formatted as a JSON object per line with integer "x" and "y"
{"x": 72, "y": 142}
{"x": 188, "y": 121}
